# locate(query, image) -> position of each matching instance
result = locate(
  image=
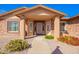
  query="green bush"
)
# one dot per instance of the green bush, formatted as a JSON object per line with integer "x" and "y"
{"x": 49, "y": 37}
{"x": 17, "y": 45}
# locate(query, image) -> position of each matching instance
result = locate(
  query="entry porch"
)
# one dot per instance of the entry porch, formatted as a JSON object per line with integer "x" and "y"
{"x": 41, "y": 20}
{"x": 42, "y": 25}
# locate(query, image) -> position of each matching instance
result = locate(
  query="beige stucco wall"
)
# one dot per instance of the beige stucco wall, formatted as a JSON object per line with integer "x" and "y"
{"x": 22, "y": 29}
{"x": 3, "y": 28}
{"x": 73, "y": 28}
{"x": 50, "y": 32}
{"x": 56, "y": 27}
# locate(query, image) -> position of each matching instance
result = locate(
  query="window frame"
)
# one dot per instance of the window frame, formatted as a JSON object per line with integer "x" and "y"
{"x": 8, "y": 30}
{"x": 48, "y": 26}
{"x": 63, "y": 28}
{"x": 31, "y": 26}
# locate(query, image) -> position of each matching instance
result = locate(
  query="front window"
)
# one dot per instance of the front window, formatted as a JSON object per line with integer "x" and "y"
{"x": 62, "y": 26}
{"x": 48, "y": 28}
{"x": 13, "y": 26}
{"x": 31, "y": 26}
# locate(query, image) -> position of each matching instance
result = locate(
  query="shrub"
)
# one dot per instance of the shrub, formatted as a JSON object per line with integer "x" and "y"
{"x": 64, "y": 38}
{"x": 69, "y": 40}
{"x": 61, "y": 39}
{"x": 17, "y": 45}
{"x": 74, "y": 41}
{"x": 49, "y": 37}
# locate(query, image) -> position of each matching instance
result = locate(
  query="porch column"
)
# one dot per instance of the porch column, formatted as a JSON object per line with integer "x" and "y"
{"x": 56, "y": 27}
{"x": 22, "y": 28}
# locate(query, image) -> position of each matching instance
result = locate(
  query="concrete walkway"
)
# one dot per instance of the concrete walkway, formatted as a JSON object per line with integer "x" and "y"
{"x": 43, "y": 46}
{"x": 39, "y": 46}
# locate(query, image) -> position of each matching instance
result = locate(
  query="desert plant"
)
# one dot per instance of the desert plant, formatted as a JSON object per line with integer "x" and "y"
{"x": 49, "y": 37}
{"x": 74, "y": 41}
{"x": 61, "y": 38}
{"x": 69, "y": 40}
{"x": 17, "y": 45}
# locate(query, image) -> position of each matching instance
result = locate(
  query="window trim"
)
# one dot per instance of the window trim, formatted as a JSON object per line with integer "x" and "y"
{"x": 14, "y": 31}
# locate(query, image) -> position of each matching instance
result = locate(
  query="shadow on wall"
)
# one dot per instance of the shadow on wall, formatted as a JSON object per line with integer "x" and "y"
{"x": 57, "y": 51}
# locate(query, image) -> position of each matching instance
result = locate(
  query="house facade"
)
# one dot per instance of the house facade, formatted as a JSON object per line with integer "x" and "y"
{"x": 26, "y": 22}
{"x": 72, "y": 26}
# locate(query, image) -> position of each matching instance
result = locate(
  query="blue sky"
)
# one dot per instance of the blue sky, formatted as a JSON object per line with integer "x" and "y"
{"x": 69, "y": 9}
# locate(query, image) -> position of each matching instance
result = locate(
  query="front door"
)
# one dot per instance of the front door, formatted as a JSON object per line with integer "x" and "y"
{"x": 39, "y": 28}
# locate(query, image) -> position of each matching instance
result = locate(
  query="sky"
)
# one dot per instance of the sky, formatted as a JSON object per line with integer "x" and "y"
{"x": 69, "y": 9}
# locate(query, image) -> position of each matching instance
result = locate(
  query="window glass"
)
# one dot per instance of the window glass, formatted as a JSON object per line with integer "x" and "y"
{"x": 62, "y": 26}
{"x": 47, "y": 27}
{"x": 31, "y": 26}
{"x": 13, "y": 25}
